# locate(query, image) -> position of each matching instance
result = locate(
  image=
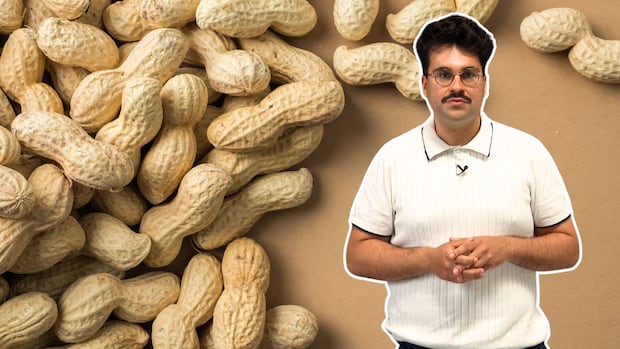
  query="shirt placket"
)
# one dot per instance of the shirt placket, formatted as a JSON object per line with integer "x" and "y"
{"x": 459, "y": 162}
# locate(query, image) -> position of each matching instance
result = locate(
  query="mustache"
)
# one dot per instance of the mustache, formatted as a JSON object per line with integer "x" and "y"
{"x": 456, "y": 95}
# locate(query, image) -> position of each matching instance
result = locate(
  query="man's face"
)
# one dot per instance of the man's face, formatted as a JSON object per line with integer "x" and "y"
{"x": 457, "y": 103}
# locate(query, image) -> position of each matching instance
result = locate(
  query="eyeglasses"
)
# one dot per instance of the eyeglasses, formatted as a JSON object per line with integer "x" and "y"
{"x": 444, "y": 77}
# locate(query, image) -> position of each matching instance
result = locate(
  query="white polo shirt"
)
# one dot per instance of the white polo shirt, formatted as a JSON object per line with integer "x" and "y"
{"x": 421, "y": 191}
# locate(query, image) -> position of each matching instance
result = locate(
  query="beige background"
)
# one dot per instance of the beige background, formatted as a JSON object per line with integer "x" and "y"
{"x": 578, "y": 120}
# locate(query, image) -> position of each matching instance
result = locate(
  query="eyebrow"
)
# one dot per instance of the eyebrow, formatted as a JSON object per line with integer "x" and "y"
{"x": 466, "y": 68}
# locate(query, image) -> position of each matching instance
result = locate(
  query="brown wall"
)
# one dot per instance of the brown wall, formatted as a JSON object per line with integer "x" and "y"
{"x": 578, "y": 120}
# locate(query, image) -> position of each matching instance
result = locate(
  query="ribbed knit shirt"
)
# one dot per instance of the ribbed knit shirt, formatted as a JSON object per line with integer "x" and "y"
{"x": 416, "y": 192}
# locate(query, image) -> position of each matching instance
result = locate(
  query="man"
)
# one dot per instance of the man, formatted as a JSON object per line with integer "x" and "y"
{"x": 459, "y": 214}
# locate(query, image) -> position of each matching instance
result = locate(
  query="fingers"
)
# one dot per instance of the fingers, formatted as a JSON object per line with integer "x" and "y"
{"x": 467, "y": 268}
{"x": 459, "y": 264}
{"x": 462, "y": 263}
{"x": 472, "y": 274}
{"x": 472, "y": 257}
{"x": 463, "y": 246}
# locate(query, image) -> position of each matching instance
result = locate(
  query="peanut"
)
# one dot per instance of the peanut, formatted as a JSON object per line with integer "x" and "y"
{"x": 82, "y": 195}
{"x": 22, "y": 65}
{"x": 85, "y": 160}
{"x": 168, "y": 13}
{"x": 16, "y": 196}
{"x": 10, "y": 149}
{"x": 146, "y": 295}
{"x": 239, "y": 212}
{"x": 94, "y": 13}
{"x": 25, "y": 317}
{"x": 128, "y": 205}
{"x": 53, "y": 195}
{"x": 201, "y": 287}
{"x": 202, "y": 44}
{"x": 50, "y": 247}
{"x": 131, "y": 20}
{"x": 239, "y": 318}
{"x": 54, "y": 280}
{"x": 558, "y": 29}
{"x": 124, "y": 22}
{"x": 243, "y": 18}
{"x": 86, "y": 304}
{"x": 302, "y": 103}
{"x": 41, "y": 97}
{"x": 115, "y": 334}
{"x": 354, "y": 19}
{"x": 377, "y": 63}
{"x": 97, "y": 98}
{"x": 554, "y": 30}
{"x": 229, "y": 70}
{"x": 214, "y": 96}
{"x": 404, "y": 26}
{"x": 67, "y": 9}
{"x": 173, "y": 151}
{"x": 11, "y": 16}
{"x": 65, "y": 78}
{"x": 112, "y": 242}
{"x": 597, "y": 59}
{"x": 53, "y": 202}
{"x": 478, "y": 9}
{"x": 289, "y": 150}
{"x": 240, "y": 312}
{"x": 199, "y": 198}
{"x": 245, "y": 262}
{"x": 287, "y": 63}
{"x": 35, "y": 11}
{"x": 289, "y": 327}
{"x": 77, "y": 44}
{"x": 139, "y": 121}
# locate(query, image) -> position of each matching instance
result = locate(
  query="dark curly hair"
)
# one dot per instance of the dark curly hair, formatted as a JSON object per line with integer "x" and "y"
{"x": 455, "y": 29}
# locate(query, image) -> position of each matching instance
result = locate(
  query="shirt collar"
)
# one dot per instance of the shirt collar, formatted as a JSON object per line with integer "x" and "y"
{"x": 481, "y": 143}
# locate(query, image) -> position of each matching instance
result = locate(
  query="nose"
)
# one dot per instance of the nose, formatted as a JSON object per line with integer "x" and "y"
{"x": 457, "y": 83}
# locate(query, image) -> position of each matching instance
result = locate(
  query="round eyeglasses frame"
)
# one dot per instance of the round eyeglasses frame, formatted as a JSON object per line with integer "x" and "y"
{"x": 444, "y": 77}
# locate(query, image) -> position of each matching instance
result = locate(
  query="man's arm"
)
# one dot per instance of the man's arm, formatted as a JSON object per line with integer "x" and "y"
{"x": 552, "y": 248}
{"x": 373, "y": 256}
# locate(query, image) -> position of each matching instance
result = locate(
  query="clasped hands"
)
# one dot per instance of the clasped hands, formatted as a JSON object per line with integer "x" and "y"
{"x": 462, "y": 260}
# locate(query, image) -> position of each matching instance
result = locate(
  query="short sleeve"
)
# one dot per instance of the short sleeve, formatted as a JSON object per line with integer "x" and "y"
{"x": 550, "y": 200}
{"x": 372, "y": 209}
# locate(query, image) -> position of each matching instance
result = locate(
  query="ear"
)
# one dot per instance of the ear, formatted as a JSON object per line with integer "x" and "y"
{"x": 424, "y": 82}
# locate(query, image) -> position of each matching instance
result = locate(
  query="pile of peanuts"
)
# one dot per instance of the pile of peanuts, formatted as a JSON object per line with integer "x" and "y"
{"x": 127, "y": 127}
